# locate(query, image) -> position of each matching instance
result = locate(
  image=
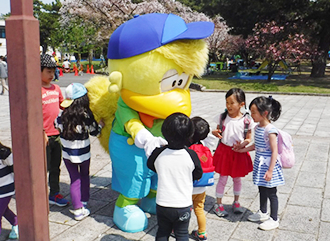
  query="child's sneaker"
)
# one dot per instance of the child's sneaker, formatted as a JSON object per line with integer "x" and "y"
{"x": 258, "y": 216}
{"x": 80, "y": 213}
{"x": 58, "y": 200}
{"x": 269, "y": 224}
{"x": 237, "y": 208}
{"x": 220, "y": 210}
{"x": 198, "y": 236}
{"x": 14, "y": 232}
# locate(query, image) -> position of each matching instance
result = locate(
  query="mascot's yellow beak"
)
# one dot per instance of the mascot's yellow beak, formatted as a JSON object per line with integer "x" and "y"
{"x": 161, "y": 105}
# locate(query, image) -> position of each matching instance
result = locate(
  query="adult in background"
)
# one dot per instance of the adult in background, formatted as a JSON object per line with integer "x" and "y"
{"x": 3, "y": 75}
{"x": 66, "y": 66}
{"x": 57, "y": 71}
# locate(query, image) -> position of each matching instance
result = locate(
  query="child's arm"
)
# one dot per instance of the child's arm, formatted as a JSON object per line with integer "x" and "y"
{"x": 217, "y": 132}
{"x": 244, "y": 149}
{"x": 273, "y": 146}
{"x": 45, "y": 138}
{"x": 246, "y": 142}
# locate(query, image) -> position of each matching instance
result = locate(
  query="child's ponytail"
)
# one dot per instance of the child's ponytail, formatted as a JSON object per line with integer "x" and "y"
{"x": 276, "y": 109}
{"x": 272, "y": 106}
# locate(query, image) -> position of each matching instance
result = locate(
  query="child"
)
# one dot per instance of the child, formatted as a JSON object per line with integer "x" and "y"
{"x": 236, "y": 130}
{"x": 75, "y": 123}
{"x": 3, "y": 75}
{"x": 177, "y": 167}
{"x": 267, "y": 171}
{"x": 51, "y": 99}
{"x": 7, "y": 189}
{"x": 202, "y": 129}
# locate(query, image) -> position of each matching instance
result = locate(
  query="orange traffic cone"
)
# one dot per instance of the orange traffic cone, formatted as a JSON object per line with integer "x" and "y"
{"x": 75, "y": 72}
{"x": 92, "y": 70}
{"x": 87, "y": 72}
{"x": 61, "y": 72}
{"x": 74, "y": 67}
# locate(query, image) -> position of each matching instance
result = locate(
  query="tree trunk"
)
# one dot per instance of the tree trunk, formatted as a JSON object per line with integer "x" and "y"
{"x": 271, "y": 70}
{"x": 90, "y": 56}
{"x": 319, "y": 61}
{"x": 79, "y": 57}
{"x": 44, "y": 48}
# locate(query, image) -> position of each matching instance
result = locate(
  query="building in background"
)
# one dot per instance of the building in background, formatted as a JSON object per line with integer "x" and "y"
{"x": 3, "y": 45}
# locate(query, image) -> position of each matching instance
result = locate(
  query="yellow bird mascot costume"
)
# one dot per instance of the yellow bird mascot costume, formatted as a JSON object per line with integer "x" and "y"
{"x": 152, "y": 60}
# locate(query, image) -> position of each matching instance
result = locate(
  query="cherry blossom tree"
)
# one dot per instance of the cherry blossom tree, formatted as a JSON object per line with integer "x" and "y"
{"x": 107, "y": 15}
{"x": 278, "y": 43}
{"x": 218, "y": 38}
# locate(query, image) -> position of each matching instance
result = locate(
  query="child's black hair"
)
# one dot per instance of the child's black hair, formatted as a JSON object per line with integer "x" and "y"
{"x": 239, "y": 95}
{"x": 202, "y": 129}
{"x": 269, "y": 104}
{"x": 76, "y": 114}
{"x": 178, "y": 130}
{"x": 43, "y": 67}
{"x": 5, "y": 151}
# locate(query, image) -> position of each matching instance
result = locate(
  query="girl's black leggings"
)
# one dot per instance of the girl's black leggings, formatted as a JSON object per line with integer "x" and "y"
{"x": 269, "y": 193}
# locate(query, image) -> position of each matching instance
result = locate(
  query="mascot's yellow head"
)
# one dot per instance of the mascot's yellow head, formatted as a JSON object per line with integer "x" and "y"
{"x": 152, "y": 60}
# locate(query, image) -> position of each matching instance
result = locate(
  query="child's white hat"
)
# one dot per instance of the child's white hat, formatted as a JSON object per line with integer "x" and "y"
{"x": 72, "y": 92}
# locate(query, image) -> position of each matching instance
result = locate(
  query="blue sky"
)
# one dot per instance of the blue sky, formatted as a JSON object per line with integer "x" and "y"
{"x": 5, "y": 5}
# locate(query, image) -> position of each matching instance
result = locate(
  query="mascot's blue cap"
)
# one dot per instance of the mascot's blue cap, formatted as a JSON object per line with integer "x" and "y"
{"x": 147, "y": 32}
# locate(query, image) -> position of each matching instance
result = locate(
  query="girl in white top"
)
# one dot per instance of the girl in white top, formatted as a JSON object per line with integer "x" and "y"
{"x": 234, "y": 129}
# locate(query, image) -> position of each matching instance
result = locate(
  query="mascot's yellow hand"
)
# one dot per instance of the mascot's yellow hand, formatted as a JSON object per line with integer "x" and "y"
{"x": 116, "y": 82}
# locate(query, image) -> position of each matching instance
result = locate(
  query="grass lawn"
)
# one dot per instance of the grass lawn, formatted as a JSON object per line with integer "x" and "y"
{"x": 295, "y": 83}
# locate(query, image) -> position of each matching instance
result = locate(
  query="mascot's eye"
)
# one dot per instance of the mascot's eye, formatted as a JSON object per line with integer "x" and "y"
{"x": 183, "y": 80}
{"x": 172, "y": 80}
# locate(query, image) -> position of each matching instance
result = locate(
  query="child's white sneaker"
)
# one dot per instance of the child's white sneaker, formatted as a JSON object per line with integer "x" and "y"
{"x": 80, "y": 213}
{"x": 258, "y": 216}
{"x": 14, "y": 232}
{"x": 269, "y": 224}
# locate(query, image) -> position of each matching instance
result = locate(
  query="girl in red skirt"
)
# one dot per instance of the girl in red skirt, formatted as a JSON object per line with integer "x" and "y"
{"x": 233, "y": 130}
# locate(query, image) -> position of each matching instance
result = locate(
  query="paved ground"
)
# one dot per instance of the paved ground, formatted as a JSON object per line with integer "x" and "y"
{"x": 304, "y": 202}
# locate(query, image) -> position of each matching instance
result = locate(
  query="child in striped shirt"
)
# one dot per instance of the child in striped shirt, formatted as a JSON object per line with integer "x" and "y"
{"x": 76, "y": 123}
{"x": 7, "y": 189}
{"x": 267, "y": 171}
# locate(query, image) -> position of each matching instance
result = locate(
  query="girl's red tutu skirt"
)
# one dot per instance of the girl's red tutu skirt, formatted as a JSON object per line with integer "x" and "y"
{"x": 230, "y": 163}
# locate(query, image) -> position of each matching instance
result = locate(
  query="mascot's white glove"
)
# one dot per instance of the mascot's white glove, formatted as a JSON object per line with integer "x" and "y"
{"x": 145, "y": 140}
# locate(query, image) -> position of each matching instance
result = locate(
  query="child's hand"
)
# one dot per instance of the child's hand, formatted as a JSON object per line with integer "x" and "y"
{"x": 268, "y": 175}
{"x": 238, "y": 147}
{"x": 101, "y": 123}
{"x": 216, "y": 133}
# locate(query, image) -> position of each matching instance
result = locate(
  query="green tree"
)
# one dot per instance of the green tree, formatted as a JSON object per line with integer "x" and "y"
{"x": 78, "y": 37}
{"x": 48, "y": 16}
{"x": 312, "y": 17}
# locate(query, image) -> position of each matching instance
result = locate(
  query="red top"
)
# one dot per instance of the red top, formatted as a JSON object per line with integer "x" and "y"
{"x": 51, "y": 100}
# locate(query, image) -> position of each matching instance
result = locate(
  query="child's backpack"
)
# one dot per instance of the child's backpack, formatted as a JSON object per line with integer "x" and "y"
{"x": 206, "y": 159}
{"x": 284, "y": 147}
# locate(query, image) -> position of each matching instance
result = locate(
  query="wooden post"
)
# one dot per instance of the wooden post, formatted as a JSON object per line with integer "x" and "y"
{"x": 22, "y": 35}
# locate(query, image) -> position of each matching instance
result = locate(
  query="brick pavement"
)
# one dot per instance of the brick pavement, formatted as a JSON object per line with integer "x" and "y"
{"x": 304, "y": 202}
